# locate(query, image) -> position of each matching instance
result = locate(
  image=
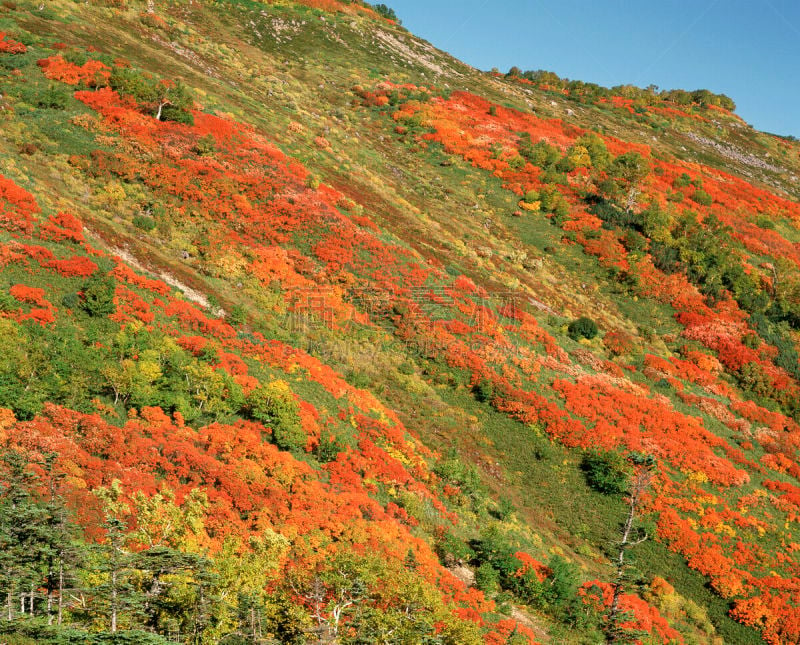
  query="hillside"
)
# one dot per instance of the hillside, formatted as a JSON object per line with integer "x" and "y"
{"x": 310, "y": 332}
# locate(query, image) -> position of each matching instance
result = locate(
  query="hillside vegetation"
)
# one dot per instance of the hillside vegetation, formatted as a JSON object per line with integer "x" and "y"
{"x": 311, "y": 333}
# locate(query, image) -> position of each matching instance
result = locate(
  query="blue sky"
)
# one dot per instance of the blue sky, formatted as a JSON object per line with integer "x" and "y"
{"x": 747, "y": 49}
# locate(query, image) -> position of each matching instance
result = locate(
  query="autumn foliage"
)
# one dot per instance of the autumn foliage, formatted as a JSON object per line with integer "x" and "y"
{"x": 251, "y": 397}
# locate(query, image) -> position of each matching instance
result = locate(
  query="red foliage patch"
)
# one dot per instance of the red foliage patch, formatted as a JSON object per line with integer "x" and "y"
{"x": 9, "y": 46}
{"x": 93, "y": 73}
{"x": 645, "y": 617}
{"x": 76, "y": 266}
{"x": 62, "y": 226}
{"x": 30, "y": 295}
{"x": 17, "y": 208}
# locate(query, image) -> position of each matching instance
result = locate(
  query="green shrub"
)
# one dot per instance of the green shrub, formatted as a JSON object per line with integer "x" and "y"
{"x": 516, "y": 162}
{"x": 177, "y": 114}
{"x": 563, "y": 582}
{"x": 130, "y": 82}
{"x": 550, "y": 198}
{"x": 144, "y": 222}
{"x": 752, "y": 378}
{"x": 582, "y": 327}
{"x": 540, "y": 154}
{"x": 487, "y": 578}
{"x": 237, "y": 316}
{"x": 98, "y": 295}
{"x": 483, "y": 391}
{"x": 455, "y": 472}
{"x": 608, "y": 187}
{"x": 613, "y": 216}
{"x": 406, "y": 367}
{"x": 553, "y": 176}
{"x": 76, "y": 57}
{"x": 328, "y": 448}
{"x": 493, "y": 547}
{"x": 633, "y": 241}
{"x": 358, "y": 379}
{"x": 450, "y": 548}
{"x": 497, "y": 562}
{"x": 606, "y": 472}
{"x": 765, "y": 222}
{"x": 274, "y": 405}
{"x": 532, "y": 196}
{"x": 504, "y": 509}
{"x": 8, "y": 302}
{"x": 596, "y": 148}
{"x": 52, "y": 98}
{"x": 565, "y": 164}
{"x": 702, "y": 197}
{"x": 665, "y": 258}
{"x": 71, "y": 301}
{"x": 559, "y": 221}
{"x": 205, "y": 145}
{"x": 682, "y": 181}
{"x": 561, "y": 211}
{"x": 752, "y": 341}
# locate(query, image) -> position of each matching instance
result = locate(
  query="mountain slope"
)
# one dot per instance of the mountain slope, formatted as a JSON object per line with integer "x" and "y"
{"x": 312, "y": 332}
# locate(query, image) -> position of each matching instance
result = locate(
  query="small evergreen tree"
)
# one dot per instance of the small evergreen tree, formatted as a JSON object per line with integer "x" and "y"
{"x": 21, "y": 523}
{"x": 386, "y": 12}
{"x": 582, "y": 327}
{"x": 98, "y": 295}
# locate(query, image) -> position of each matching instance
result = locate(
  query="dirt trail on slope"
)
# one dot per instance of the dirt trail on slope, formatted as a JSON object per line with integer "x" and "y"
{"x": 125, "y": 254}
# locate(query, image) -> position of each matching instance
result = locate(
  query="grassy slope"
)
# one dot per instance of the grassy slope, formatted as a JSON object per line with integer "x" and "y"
{"x": 235, "y": 62}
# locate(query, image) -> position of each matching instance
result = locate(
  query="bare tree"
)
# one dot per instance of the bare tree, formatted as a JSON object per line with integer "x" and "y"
{"x": 330, "y": 596}
{"x": 644, "y": 470}
{"x": 164, "y": 102}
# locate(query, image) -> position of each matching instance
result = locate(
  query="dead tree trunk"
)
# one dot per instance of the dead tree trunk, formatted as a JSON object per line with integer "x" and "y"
{"x": 639, "y": 485}
{"x": 161, "y": 105}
